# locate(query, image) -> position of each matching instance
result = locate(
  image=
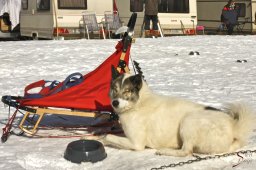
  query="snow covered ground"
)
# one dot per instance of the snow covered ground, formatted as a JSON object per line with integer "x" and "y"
{"x": 214, "y": 77}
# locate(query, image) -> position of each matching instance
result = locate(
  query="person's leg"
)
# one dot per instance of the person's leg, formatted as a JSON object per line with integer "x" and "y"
{"x": 155, "y": 21}
{"x": 155, "y": 25}
{"x": 147, "y": 22}
{"x": 230, "y": 28}
{"x": 147, "y": 25}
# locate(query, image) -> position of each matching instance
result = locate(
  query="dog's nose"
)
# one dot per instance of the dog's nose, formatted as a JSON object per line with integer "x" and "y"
{"x": 115, "y": 103}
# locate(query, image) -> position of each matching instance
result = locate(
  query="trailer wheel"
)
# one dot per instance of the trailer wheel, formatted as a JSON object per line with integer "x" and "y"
{"x": 34, "y": 36}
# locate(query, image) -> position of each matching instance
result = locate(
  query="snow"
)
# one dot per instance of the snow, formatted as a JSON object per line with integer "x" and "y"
{"x": 213, "y": 78}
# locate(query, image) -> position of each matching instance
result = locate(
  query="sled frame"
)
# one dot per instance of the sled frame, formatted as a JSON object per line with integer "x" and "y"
{"x": 16, "y": 101}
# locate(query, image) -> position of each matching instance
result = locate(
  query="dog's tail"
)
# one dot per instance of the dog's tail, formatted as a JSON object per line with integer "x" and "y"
{"x": 243, "y": 121}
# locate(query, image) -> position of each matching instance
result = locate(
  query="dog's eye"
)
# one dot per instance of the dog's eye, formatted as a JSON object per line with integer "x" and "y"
{"x": 114, "y": 91}
{"x": 127, "y": 92}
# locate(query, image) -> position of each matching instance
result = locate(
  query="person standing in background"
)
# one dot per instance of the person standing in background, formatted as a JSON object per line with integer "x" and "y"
{"x": 151, "y": 14}
{"x": 229, "y": 16}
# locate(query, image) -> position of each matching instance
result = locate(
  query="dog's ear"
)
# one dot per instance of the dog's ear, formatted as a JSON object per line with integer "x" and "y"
{"x": 115, "y": 73}
{"x": 136, "y": 81}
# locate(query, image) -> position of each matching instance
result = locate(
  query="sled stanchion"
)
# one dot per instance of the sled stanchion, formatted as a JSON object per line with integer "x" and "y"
{"x": 42, "y": 111}
{"x": 34, "y": 129}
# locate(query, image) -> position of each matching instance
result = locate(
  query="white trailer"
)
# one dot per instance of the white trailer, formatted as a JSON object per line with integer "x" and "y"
{"x": 175, "y": 16}
{"x": 50, "y": 19}
{"x": 209, "y": 13}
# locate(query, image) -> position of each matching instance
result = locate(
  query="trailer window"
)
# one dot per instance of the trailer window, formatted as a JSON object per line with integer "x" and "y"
{"x": 241, "y": 9}
{"x": 24, "y": 4}
{"x": 72, "y": 4}
{"x": 43, "y": 5}
{"x": 136, "y": 5}
{"x": 173, "y": 6}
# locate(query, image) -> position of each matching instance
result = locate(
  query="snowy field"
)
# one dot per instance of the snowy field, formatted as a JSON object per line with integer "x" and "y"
{"x": 214, "y": 77}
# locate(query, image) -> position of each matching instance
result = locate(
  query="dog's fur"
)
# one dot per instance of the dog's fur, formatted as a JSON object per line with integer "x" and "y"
{"x": 174, "y": 126}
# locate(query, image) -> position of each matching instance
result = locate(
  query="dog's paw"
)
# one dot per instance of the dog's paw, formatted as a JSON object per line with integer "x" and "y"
{"x": 167, "y": 152}
{"x": 160, "y": 152}
{"x": 173, "y": 152}
{"x": 92, "y": 137}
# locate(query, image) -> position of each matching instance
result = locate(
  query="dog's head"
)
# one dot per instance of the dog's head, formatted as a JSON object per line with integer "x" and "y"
{"x": 124, "y": 91}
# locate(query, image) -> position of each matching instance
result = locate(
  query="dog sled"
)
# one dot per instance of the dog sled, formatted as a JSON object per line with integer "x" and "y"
{"x": 78, "y": 95}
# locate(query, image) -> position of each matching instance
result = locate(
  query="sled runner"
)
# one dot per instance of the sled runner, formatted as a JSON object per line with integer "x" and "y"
{"x": 78, "y": 95}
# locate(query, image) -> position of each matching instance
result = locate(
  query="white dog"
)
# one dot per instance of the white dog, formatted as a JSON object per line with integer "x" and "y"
{"x": 171, "y": 125}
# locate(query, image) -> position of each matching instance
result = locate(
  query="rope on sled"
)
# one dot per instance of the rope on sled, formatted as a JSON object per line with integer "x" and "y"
{"x": 198, "y": 159}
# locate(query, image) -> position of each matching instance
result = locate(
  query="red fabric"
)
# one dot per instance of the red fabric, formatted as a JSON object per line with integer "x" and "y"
{"x": 225, "y": 8}
{"x": 39, "y": 83}
{"x": 91, "y": 94}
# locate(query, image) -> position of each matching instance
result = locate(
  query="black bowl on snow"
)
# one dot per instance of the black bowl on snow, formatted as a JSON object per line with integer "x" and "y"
{"x": 85, "y": 151}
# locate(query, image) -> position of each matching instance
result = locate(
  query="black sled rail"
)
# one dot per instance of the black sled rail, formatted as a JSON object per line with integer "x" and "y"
{"x": 12, "y": 101}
